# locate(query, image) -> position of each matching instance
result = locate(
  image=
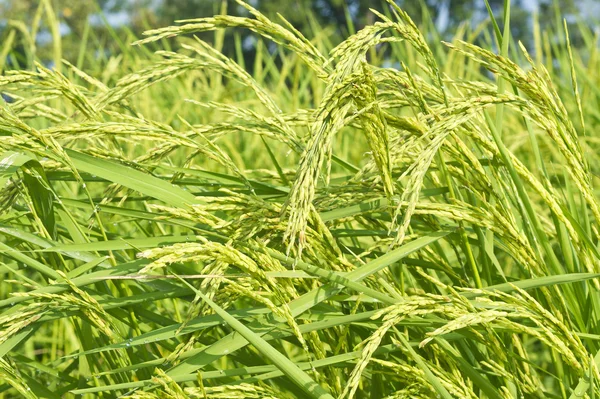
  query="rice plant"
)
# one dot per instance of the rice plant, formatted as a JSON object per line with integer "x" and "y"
{"x": 386, "y": 218}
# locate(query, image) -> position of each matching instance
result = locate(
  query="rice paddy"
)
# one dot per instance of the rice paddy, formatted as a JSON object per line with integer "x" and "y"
{"x": 390, "y": 216}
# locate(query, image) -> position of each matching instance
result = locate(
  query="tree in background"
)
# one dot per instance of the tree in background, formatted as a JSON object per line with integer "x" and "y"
{"x": 84, "y": 19}
{"x": 37, "y": 24}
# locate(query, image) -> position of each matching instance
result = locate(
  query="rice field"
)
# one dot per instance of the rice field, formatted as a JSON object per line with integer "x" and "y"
{"x": 384, "y": 216}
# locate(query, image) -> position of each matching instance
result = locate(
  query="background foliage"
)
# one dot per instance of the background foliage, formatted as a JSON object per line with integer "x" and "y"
{"x": 360, "y": 211}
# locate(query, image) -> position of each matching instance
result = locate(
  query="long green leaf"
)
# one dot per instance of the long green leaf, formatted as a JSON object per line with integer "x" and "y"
{"x": 133, "y": 179}
{"x": 293, "y": 372}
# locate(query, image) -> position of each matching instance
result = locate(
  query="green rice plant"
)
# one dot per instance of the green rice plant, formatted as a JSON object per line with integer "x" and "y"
{"x": 383, "y": 217}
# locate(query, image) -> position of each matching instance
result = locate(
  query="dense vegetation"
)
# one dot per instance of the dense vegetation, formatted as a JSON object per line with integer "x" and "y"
{"x": 390, "y": 216}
